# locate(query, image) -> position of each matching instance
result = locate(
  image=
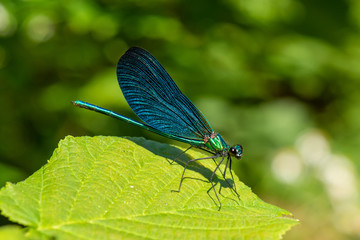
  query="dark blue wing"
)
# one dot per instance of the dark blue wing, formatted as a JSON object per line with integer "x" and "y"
{"x": 155, "y": 98}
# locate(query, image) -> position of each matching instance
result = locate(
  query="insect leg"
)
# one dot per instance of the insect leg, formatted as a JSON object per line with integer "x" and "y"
{"x": 211, "y": 180}
{"x": 181, "y": 154}
{"x": 232, "y": 177}
{"x": 186, "y": 165}
{"x": 228, "y": 163}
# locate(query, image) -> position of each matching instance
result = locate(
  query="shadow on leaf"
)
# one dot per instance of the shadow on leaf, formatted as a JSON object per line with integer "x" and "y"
{"x": 175, "y": 155}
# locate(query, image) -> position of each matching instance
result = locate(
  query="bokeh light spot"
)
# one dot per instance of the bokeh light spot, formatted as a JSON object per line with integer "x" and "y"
{"x": 7, "y": 22}
{"x": 287, "y": 166}
{"x": 40, "y": 28}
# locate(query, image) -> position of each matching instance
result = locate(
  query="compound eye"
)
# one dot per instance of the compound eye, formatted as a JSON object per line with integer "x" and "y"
{"x": 236, "y": 151}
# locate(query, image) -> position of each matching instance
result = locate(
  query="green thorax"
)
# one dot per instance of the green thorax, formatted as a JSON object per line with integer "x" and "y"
{"x": 216, "y": 143}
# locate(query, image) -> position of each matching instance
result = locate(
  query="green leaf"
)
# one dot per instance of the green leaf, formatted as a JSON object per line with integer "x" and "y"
{"x": 12, "y": 232}
{"x": 116, "y": 188}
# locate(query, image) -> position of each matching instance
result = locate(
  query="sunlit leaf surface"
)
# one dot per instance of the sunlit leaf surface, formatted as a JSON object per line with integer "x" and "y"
{"x": 112, "y": 188}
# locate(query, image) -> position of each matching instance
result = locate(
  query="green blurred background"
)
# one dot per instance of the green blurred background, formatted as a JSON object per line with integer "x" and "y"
{"x": 280, "y": 77}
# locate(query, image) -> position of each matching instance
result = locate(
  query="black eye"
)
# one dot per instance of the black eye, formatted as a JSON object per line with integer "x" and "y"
{"x": 236, "y": 151}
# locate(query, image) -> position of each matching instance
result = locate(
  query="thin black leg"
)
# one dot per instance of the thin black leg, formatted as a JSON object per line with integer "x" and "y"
{"x": 181, "y": 154}
{"x": 185, "y": 167}
{"x": 228, "y": 163}
{"x": 226, "y": 166}
{"x": 232, "y": 177}
{"x": 211, "y": 180}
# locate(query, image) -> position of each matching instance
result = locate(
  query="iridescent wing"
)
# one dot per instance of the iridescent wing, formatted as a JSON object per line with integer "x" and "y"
{"x": 156, "y": 99}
